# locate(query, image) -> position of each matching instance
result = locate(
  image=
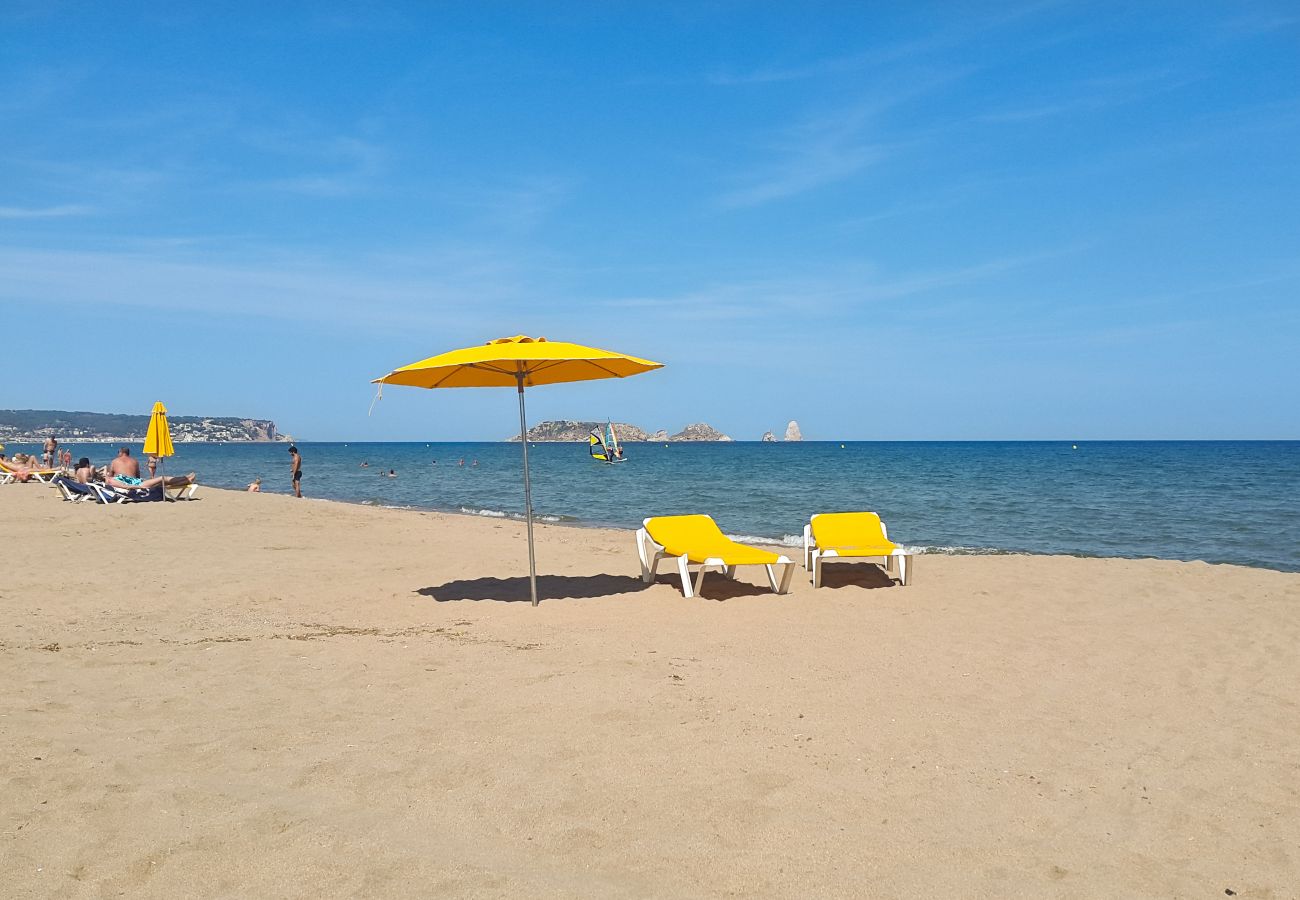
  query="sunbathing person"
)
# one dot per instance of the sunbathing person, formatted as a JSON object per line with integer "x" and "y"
{"x": 23, "y": 465}
{"x": 131, "y": 483}
{"x": 123, "y": 464}
{"x": 85, "y": 472}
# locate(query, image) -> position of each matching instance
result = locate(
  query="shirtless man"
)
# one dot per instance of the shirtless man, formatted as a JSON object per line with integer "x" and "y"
{"x": 297, "y": 470}
{"x": 123, "y": 464}
{"x": 51, "y": 446}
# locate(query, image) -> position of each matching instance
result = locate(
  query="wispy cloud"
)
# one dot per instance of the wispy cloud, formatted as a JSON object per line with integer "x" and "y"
{"x": 346, "y": 165}
{"x": 821, "y": 160}
{"x": 846, "y": 288}
{"x": 45, "y": 212}
{"x": 1102, "y": 92}
{"x": 903, "y": 51}
{"x": 523, "y": 205}
{"x": 431, "y": 290}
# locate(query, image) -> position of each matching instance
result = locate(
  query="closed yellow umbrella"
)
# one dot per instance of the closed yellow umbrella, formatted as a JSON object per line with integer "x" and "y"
{"x": 158, "y": 439}
{"x": 519, "y": 362}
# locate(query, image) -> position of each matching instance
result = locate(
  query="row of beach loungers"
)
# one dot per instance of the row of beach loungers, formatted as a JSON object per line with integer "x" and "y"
{"x": 697, "y": 540}
{"x": 95, "y": 492}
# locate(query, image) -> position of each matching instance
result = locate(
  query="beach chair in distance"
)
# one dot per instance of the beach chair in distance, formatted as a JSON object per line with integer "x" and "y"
{"x": 44, "y": 476}
{"x": 699, "y": 540}
{"x": 182, "y": 492}
{"x": 857, "y": 536}
{"x": 74, "y": 490}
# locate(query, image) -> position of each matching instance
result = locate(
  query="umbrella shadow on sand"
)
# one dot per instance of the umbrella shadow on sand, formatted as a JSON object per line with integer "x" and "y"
{"x": 580, "y": 587}
{"x": 549, "y": 587}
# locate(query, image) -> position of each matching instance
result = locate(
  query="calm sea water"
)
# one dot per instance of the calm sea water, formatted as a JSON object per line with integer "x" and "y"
{"x": 1219, "y": 501}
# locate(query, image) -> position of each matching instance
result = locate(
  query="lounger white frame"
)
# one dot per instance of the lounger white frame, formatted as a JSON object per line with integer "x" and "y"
{"x": 182, "y": 492}
{"x": 44, "y": 476}
{"x": 813, "y": 557}
{"x": 62, "y": 487}
{"x": 651, "y": 552}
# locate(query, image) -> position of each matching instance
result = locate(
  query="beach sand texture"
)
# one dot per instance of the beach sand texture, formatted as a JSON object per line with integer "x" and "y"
{"x": 250, "y": 695}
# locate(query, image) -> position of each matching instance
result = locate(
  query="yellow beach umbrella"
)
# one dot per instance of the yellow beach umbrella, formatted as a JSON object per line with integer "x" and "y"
{"x": 518, "y": 362}
{"x": 158, "y": 439}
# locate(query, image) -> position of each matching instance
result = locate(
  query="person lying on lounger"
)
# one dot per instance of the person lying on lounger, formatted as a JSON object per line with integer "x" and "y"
{"x": 23, "y": 465}
{"x": 85, "y": 472}
{"x": 130, "y": 483}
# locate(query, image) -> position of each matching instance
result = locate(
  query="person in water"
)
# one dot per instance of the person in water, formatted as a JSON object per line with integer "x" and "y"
{"x": 51, "y": 447}
{"x": 297, "y": 470}
{"x": 365, "y": 465}
{"x": 392, "y": 474}
{"x": 256, "y": 486}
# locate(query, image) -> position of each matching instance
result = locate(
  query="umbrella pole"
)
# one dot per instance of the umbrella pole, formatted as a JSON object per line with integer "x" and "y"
{"x": 528, "y": 491}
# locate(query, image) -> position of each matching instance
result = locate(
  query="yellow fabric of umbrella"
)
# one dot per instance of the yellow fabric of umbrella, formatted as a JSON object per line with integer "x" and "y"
{"x": 158, "y": 440}
{"x": 518, "y": 362}
{"x": 499, "y": 363}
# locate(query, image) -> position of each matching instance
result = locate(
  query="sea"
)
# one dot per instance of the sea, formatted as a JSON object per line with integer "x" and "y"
{"x": 1216, "y": 501}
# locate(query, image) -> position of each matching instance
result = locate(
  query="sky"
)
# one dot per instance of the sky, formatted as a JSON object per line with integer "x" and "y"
{"x": 1052, "y": 220}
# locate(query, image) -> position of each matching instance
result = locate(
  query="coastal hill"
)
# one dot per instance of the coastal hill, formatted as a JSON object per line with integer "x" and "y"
{"x": 568, "y": 430}
{"x": 34, "y": 425}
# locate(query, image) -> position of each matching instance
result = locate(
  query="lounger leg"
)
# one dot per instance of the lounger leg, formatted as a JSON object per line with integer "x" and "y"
{"x": 685, "y": 571}
{"x": 817, "y": 570}
{"x": 903, "y": 573}
{"x": 699, "y": 579}
{"x": 785, "y": 579}
{"x": 649, "y": 561}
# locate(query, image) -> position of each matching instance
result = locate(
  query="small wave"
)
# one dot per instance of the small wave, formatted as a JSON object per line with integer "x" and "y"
{"x": 940, "y": 550}
{"x": 787, "y": 540}
{"x": 490, "y": 513}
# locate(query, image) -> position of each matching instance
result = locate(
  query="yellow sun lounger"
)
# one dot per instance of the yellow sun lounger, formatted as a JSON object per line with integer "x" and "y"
{"x": 8, "y": 473}
{"x": 697, "y": 539}
{"x": 856, "y": 536}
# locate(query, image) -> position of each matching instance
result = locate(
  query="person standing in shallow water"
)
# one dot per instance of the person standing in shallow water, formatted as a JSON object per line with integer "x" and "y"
{"x": 297, "y": 469}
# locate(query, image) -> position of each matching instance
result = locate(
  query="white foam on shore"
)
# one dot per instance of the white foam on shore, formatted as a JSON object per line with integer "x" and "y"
{"x": 788, "y": 540}
{"x": 490, "y": 513}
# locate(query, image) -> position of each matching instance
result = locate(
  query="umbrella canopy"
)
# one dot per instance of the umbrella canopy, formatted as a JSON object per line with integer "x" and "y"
{"x": 499, "y": 363}
{"x": 519, "y": 362}
{"x": 158, "y": 440}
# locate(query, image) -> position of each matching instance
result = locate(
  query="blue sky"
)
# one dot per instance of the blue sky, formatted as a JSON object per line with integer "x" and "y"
{"x": 891, "y": 221}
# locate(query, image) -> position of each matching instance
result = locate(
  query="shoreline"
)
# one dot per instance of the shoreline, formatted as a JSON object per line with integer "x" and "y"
{"x": 789, "y": 543}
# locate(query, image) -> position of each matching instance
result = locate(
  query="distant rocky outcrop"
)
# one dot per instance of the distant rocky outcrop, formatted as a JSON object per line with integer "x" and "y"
{"x": 698, "y": 431}
{"x": 569, "y": 430}
{"x": 769, "y": 437}
{"x": 566, "y": 430}
{"x": 792, "y": 432}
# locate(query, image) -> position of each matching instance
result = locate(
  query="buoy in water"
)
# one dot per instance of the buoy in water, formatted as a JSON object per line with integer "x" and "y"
{"x": 841, "y": 446}
{"x": 1074, "y": 446}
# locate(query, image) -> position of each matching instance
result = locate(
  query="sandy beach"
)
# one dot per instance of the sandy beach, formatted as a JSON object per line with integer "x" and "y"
{"x": 249, "y": 695}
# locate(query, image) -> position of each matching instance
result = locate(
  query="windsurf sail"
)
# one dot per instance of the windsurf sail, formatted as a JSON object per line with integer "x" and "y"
{"x": 596, "y": 444}
{"x": 612, "y": 448}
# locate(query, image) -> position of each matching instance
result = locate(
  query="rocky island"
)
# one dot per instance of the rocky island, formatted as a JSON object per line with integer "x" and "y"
{"x": 27, "y": 426}
{"x": 566, "y": 430}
